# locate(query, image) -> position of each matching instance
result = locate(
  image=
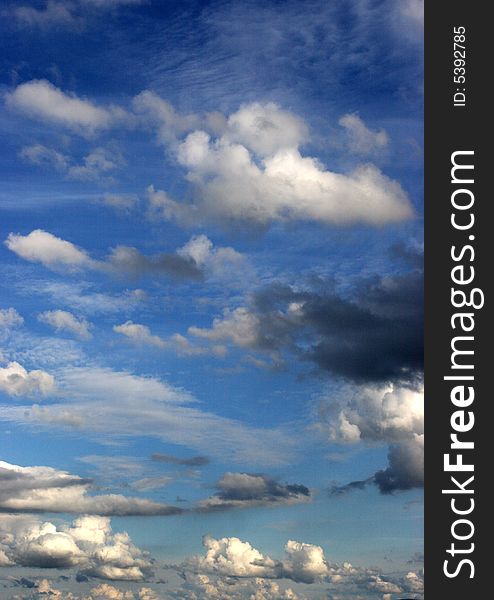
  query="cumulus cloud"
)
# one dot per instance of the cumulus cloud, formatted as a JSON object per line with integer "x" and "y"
{"x": 244, "y": 490}
{"x": 390, "y": 414}
{"x": 15, "y": 380}
{"x": 10, "y": 318}
{"x": 51, "y": 251}
{"x": 373, "y": 414}
{"x": 361, "y": 139}
{"x": 62, "y": 320}
{"x": 88, "y": 544}
{"x": 119, "y": 405}
{"x": 255, "y": 172}
{"x": 43, "y": 101}
{"x": 233, "y": 557}
{"x": 44, "y": 489}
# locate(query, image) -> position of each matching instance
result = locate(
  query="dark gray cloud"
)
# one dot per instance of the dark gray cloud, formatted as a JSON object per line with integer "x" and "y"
{"x": 370, "y": 334}
{"x": 244, "y": 490}
{"x": 129, "y": 261}
{"x": 405, "y": 470}
{"x": 194, "y": 461}
{"x": 375, "y": 336}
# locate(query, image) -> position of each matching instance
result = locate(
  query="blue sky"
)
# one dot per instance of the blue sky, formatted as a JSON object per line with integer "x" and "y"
{"x": 211, "y": 299}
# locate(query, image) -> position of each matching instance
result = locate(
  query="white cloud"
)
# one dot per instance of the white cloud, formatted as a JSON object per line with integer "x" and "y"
{"x": 217, "y": 262}
{"x": 44, "y": 489}
{"x": 162, "y": 116}
{"x": 41, "y": 100}
{"x": 116, "y": 405}
{"x": 46, "y": 248}
{"x": 16, "y": 381}
{"x": 266, "y": 129}
{"x": 62, "y": 320}
{"x": 140, "y": 334}
{"x": 239, "y": 326}
{"x": 255, "y": 172}
{"x": 233, "y": 557}
{"x": 361, "y": 139}
{"x": 10, "y": 318}
{"x": 89, "y": 544}
{"x": 382, "y": 414}
{"x": 305, "y": 563}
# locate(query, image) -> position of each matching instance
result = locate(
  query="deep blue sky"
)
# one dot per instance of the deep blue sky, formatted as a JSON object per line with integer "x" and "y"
{"x": 298, "y": 328}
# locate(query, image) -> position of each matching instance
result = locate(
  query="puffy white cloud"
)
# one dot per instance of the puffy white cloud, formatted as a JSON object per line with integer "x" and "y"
{"x": 244, "y": 490}
{"x": 305, "y": 563}
{"x": 366, "y": 413}
{"x": 119, "y": 405}
{"x": 361, "y": 139}
{"x": 15, "y": 380}
{"x": 44, "y": 247}
{"x": 62, "y": 320}
{"x": 44, "y": 489}
{"x": 140, "y": 334}
{"x": 41, "y": 100}
{"x": 89, "y": 544}
{"x": 266, "y": 129}
{"x": 239, "y": 326}
{"x": 217, "y": 262}
{"x": 414, "y": 582}
{"x": 10, "y": 318}
{"x": 255, "y": 172}
{"x": 233, "y": 557}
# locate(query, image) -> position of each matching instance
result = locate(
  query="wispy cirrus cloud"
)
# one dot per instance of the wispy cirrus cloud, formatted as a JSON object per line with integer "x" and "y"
{"x": 103, "y": 401}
